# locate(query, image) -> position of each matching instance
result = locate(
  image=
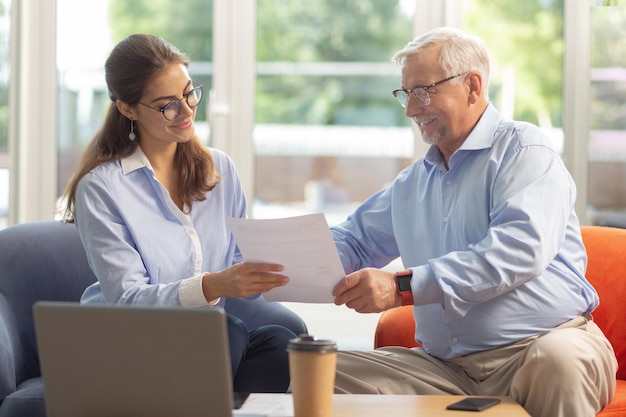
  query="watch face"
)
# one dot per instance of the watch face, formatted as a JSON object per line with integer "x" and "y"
{"x": 404, "y": 282}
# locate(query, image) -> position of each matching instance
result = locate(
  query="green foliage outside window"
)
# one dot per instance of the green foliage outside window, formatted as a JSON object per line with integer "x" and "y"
{"x": 338, "y": 31}
{"x": 526, "y": 36}
{"x": 332, "y": 31}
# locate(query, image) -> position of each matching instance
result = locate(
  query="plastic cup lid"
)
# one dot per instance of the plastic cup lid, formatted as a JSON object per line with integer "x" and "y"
{"x": 309, "y": 343}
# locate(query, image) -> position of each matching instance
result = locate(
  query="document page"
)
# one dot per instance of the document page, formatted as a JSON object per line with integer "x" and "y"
{"x": 303, "y": 245}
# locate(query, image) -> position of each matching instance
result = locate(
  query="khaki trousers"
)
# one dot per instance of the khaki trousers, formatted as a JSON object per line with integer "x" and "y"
{"x": 566, "y": 372}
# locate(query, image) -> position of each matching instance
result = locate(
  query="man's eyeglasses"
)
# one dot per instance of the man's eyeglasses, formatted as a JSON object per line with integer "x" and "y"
{"x": 172, "y": 109}
{"x": 420, "y": 92}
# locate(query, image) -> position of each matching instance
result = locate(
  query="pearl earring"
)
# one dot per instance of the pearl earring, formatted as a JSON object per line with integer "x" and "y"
{"x": 132, "y": 135}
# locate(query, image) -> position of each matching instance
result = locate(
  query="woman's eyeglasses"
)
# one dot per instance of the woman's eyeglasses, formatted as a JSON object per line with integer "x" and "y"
{"x": 172, "y": 109}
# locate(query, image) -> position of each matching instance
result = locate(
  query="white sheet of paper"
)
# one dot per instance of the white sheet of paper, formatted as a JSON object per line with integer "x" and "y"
{"x": 302, "y": 244}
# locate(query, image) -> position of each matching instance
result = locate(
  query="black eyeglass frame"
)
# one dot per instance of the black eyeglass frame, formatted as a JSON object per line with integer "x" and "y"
{"x": 426, "y": 99}
{"x": 177, "y": 102}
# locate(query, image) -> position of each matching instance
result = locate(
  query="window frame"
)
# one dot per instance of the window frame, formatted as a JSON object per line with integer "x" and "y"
{"x": 33, "y": 119}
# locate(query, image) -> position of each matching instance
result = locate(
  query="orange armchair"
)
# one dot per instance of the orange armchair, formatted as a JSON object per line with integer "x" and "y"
{"x": 606, "y": 270}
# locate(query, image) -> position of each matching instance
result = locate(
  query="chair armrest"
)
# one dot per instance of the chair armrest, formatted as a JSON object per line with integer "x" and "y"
{"x": 396, "y": 327}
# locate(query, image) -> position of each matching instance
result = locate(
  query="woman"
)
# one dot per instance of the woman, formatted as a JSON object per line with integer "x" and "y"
{"x": 150, "y": 203}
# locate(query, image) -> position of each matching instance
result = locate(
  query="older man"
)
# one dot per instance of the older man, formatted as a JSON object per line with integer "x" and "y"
{"x": 485, "y": 225}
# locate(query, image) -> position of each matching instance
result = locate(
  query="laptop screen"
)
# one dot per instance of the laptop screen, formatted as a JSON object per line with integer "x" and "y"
{"x": 133, "y": 361}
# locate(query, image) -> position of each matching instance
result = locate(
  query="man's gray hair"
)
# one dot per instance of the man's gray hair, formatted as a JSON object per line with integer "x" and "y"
{"x": 460, "y": 52}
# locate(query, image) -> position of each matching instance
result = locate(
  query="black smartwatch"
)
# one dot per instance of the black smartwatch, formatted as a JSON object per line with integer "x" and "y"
{"x": 403, "y": 282}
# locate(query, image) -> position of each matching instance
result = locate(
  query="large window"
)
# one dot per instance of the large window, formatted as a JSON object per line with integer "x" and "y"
{"x": 607, "y": 107}
{"x": 323, "y": 71}
{"x": 328, "y": 133}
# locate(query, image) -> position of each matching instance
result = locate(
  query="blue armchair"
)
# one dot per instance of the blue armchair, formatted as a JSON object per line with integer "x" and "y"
{"x": 46, "y": 261}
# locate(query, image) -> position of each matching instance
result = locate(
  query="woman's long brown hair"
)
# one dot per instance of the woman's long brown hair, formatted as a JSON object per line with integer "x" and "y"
{"x": 130, "y": 67}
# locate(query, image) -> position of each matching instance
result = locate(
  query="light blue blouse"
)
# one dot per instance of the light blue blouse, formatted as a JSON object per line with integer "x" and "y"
{"x": 141, "y": 247}
{"x": 494, "y": 243}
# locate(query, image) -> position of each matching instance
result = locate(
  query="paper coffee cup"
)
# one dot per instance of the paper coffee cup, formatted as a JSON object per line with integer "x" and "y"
{"x": 312, "y": 365}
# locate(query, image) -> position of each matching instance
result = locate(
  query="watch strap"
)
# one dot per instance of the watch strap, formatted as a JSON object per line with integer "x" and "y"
{"x": 406, "y": 293}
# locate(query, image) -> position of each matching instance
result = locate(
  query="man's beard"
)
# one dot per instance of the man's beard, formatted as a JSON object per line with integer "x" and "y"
{"x": 430, "y": 138}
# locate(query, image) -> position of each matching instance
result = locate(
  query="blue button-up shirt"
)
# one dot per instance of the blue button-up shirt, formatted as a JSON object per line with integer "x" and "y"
{"x": 493, "y": 242}
{"x": 141, "y": 247}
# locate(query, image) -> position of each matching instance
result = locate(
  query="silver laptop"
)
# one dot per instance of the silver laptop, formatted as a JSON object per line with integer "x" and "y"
{"x": 99, "y": 361}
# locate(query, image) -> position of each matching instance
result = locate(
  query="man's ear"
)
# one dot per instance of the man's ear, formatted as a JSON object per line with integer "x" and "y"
{"x": 126, "y": 109}
{"x": 475, "y": 87}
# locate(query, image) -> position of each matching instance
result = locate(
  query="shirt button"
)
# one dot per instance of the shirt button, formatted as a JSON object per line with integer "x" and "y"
{"x": 445, "y": 219}
{"x": 448, "y": 182}
{"x": 455, "y": 339}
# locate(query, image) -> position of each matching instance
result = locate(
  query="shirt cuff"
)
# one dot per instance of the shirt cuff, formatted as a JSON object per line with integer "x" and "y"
{"x": 191, "y": 294}
{"x": 424, "y": 286}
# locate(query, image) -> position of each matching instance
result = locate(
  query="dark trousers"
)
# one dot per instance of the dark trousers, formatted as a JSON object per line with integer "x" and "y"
{"x": 259, "y": 356}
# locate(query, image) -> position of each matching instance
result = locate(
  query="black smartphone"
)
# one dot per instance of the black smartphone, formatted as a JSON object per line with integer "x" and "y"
{"x": 473, "y": 404}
